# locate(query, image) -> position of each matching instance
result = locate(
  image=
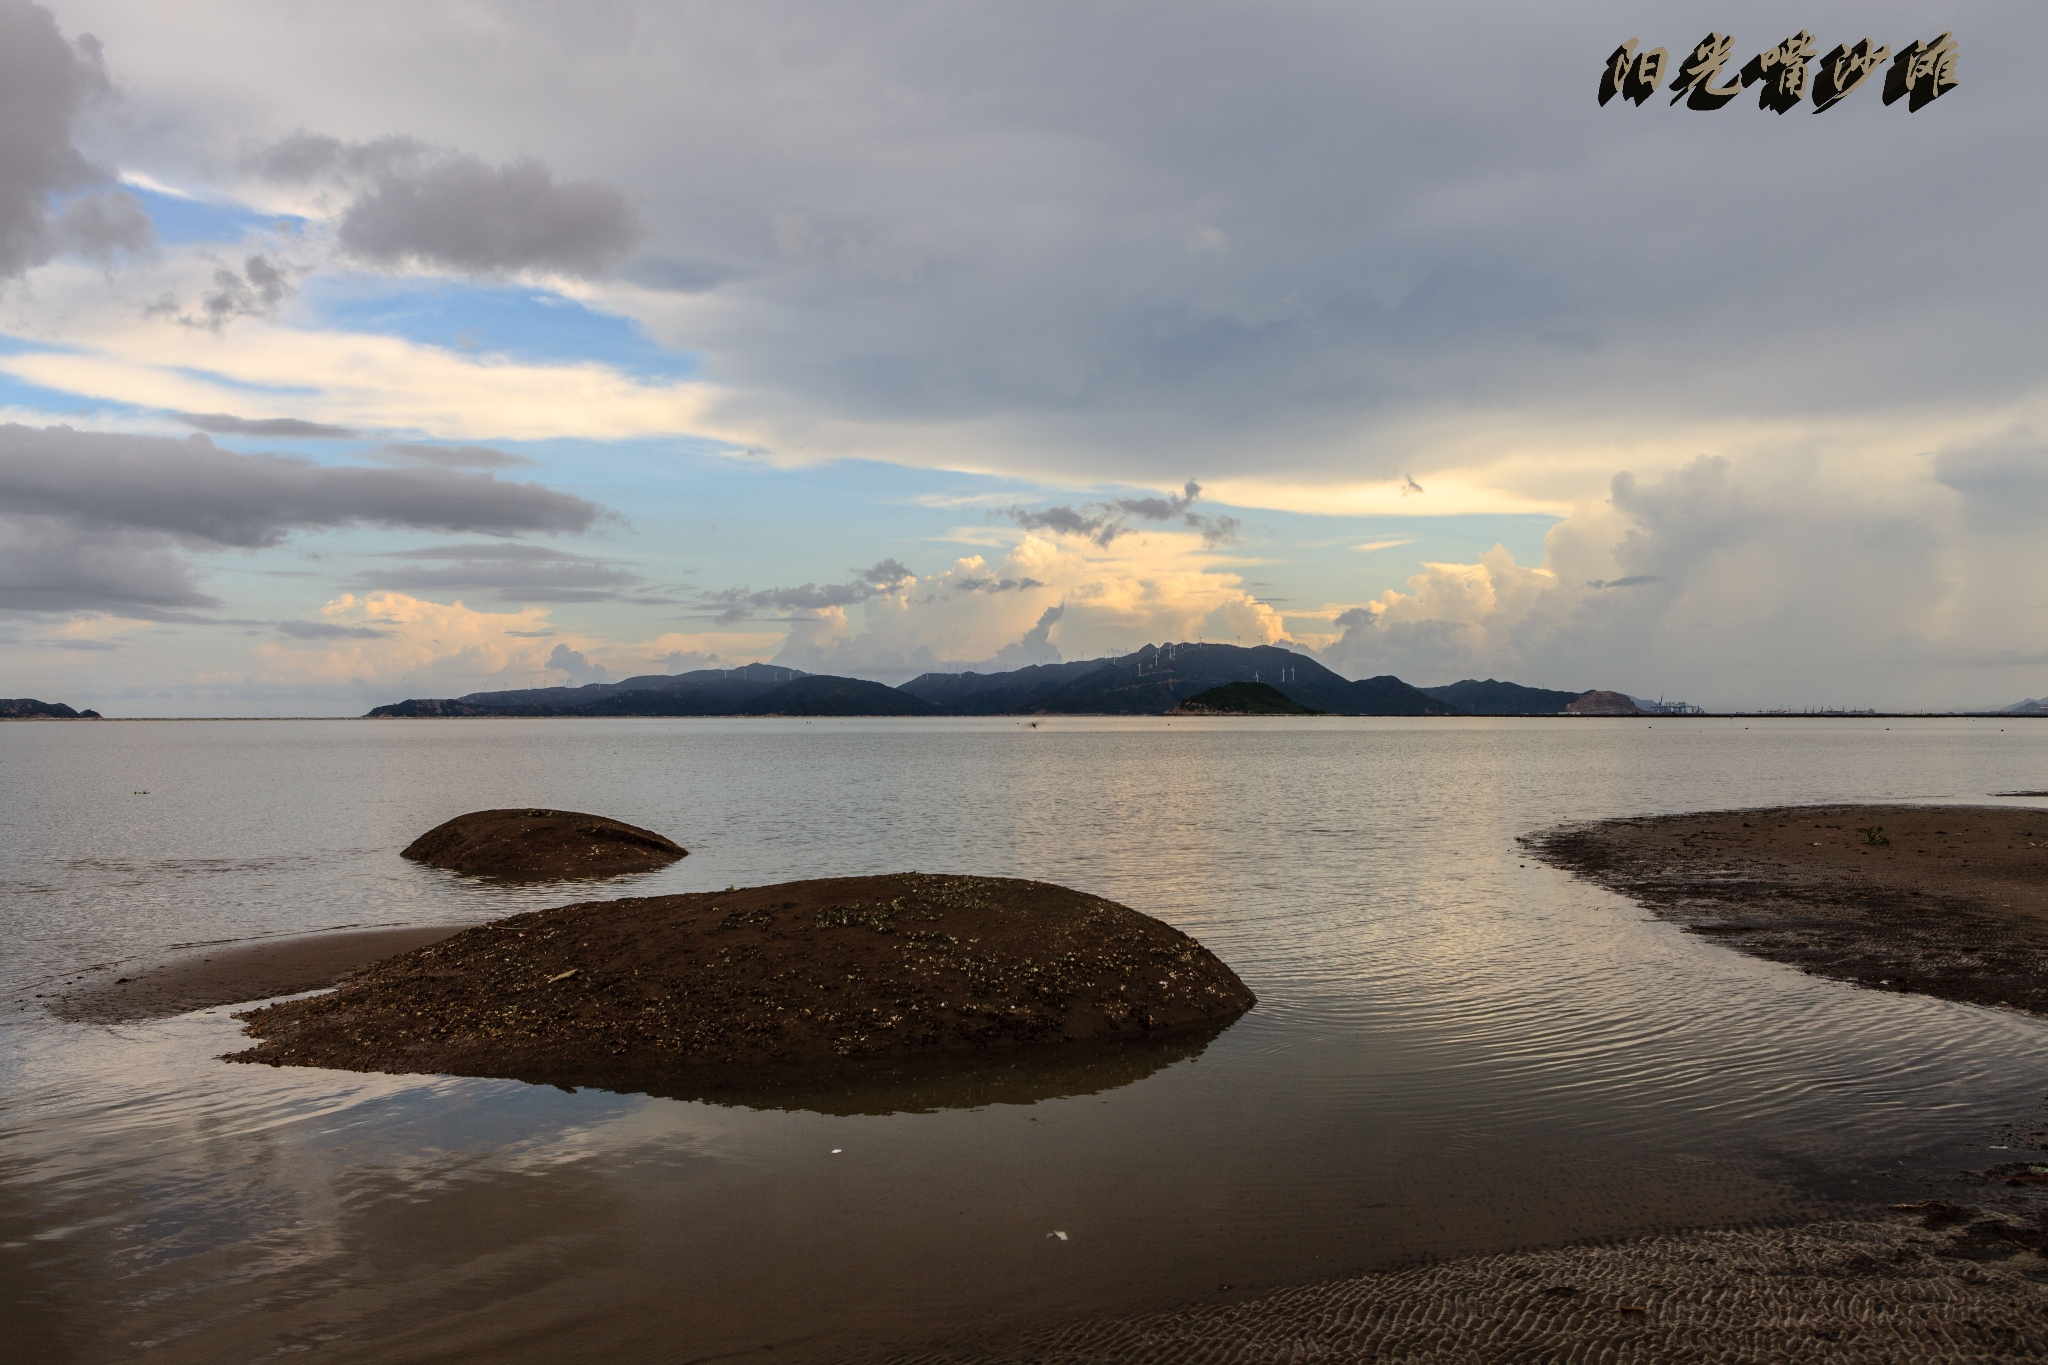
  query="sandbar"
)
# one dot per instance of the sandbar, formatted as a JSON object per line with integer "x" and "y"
{"x": 238, "y": 972}
{"x": 1948, "y": 901}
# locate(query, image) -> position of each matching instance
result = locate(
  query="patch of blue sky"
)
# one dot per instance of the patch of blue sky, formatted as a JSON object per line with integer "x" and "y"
{"x": 687, "y": 512}
{"x": 22, "y": 397}
{"x": 518, "y": 322}
{"x": 1305, "y": 563}
{"x": 180, "y": 221}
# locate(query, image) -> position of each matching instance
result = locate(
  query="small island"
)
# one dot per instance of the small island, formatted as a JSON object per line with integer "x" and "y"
{"x": 887, "y": 967}
{"x": 1243, "y": 699}
{"x": 539, "y": 845}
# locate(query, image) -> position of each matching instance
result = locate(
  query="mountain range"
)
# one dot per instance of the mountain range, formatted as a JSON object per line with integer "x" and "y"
{"x": 1151, "y": 681}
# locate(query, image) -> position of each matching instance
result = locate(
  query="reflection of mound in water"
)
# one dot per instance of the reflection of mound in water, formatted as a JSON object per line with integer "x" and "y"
{"x": 916, "y": 1085}
{"x": 539, "y": 845}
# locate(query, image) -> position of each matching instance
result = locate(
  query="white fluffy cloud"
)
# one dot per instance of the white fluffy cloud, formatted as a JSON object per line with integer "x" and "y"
{"x": 1762, "y": 583}
{"x": 387, "y": 646}
{"x": 1051, "y": 596}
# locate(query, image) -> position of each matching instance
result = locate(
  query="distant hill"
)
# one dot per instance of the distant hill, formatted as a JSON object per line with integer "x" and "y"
{"x": 758, "y": 676}
{"x": 756, "y": 690}
{"x": 28, "y": 708}
{"x": 1242, "y": 699}
{"x": 1603, "y": 703}
{"x": 1492, "y": 698}
{"x": 824, "y": 695}
{"x": 1020, "y": 691}
{"x": 704, "y": 692}
{"x": 1158, "y": 678}
{"x": 2037, "y": 707}
{"x": 1151, "y": 681}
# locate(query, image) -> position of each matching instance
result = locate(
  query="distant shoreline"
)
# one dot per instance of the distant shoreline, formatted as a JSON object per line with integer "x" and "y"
{"x": 1086, "y": 715}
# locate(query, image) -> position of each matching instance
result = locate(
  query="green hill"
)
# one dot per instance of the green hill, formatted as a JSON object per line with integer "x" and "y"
{"x": 1243, "y": 699}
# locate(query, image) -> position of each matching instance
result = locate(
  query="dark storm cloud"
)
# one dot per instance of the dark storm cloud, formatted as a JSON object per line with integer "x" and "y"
{"x": 91, "y": 521}
{"x": 514, "y": 581}
{"x": 514, "y": 573}
{"x": 743, "y": 604}
{"x": 327, "y": 630}
{"x": 224, "y": 424}
{"x": 198, "y": 492}
{"x": 1103, "y": 522}
{"x": 255, "y": 293}
{"x": 46, "y": 86}
{"x": 452, "y": 457}
{"x": 301, "y": 158}
{"x": 2003, "y": 484}
{"x": 414, "y": 205}
{"x": 47, "y": 565}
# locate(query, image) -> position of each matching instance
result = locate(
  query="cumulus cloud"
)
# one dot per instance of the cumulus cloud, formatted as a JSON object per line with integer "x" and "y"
{"x": 1733, "y": 585}
{"x": 688, "y": 661}
{"x": 1103, "y": 522}
{"x": 46, "y": 87}
{"x": 255, "y": 293}
{"x": 1084, "y": 600}
{"x": 413, "y": 205}
{"x": 578, "y": 668}
{"x": 92, "y": 521}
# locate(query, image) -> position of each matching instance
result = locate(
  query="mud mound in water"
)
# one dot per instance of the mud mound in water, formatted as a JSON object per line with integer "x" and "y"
{"x": 855, "y": 967}
{"x": 541, "y": 844}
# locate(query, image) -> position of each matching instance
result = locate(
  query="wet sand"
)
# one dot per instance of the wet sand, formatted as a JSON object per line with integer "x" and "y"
{"x": 235, "y": 973}
{"x": 1949, "y": 901}
{"x": 1935, "y": 1284}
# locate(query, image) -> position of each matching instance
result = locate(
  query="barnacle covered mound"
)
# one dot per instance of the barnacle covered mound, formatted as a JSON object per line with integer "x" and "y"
{"x": 852, "y": 967}
{"x": 542, "y": 845}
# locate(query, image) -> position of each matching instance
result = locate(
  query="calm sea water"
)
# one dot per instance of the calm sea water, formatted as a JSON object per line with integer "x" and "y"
{"x": 1456, "y": 1050}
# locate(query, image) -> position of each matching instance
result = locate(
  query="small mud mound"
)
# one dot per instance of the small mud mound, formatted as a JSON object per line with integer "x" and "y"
{"x": 541, "y": 844}
{"x": 857, "y": 967}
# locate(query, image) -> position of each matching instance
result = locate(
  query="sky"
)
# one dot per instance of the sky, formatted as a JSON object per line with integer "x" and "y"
{"x": 357, "y": 352}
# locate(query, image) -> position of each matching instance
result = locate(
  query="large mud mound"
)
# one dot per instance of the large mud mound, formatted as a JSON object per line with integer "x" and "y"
{"x": 856, "y": 967}
{"x": 538, "y": 844}
{"x": 1838, "y": 1293}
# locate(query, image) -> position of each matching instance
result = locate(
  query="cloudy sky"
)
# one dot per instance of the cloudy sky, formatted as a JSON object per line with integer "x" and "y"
{"x": 352, "y": 352}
